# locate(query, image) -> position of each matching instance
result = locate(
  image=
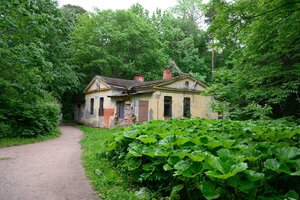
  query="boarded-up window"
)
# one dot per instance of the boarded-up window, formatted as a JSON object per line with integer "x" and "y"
{"x": 167, "y": 106}
{"x": 101, "y": 107}
{"x": 186, "y": 107}
{"x": 120, "y": 109}
{"x": 143, "y": 111}
{"x": 92, "y": 106}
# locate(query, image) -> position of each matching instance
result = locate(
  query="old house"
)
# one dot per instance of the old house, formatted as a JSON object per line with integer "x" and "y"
{"x": 113, "y": 101}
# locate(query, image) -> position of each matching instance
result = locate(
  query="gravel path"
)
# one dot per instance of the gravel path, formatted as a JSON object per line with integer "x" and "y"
{"x": 48, "y": 170}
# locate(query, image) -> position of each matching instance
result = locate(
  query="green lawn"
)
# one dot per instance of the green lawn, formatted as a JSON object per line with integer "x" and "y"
{"x": 7, "y": 142}
{"x": 105, "y": 179}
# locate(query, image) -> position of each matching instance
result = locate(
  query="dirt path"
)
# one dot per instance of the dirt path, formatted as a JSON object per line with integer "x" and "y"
{"x": 48, "y": 170}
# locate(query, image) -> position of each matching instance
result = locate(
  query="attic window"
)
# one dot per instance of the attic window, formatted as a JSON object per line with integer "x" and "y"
{"x": 187, "y": 84}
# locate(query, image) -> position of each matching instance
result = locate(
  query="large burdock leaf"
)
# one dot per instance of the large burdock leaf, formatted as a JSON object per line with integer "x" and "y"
{"x": 182, "y": 140}
{"x": 181, "y": 153}
{"x": 195, "y": 169}
{"x": 163, "y": 152}
{"x": 135, "y": 150}
{"x": 131, "y": 134}
{"x": 221, "y": 168}
{"x": 188, "y": 168}
{"x": 168, "y": 141}
{"x": 272, "y": 164}
{"x": 149, "y": 151}
{"x": 253, "y": 175}
{"x": 287, "y": 153}
{"x": 198, "y": 156}
{"x": 147, "y": 139}
{"x": 183, "y": 165}
{"x": 175, "y": 190}
{"x": 209, "y": 190}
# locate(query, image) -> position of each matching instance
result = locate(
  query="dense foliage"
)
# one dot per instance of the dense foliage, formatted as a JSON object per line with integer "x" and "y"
{"x": 197, "y": 158}
{"x": 260, "y": 42}
{"x": 33, "y": 69}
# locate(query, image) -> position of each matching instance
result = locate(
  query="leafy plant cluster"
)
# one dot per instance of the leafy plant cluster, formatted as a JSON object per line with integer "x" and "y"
{"x": 209, "y": 159}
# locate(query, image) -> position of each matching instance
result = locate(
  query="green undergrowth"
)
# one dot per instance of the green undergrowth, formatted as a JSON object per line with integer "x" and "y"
{"x": 7, "y": 142}
{"x": 104, "y": 177}
{"x": 210, "y": 159}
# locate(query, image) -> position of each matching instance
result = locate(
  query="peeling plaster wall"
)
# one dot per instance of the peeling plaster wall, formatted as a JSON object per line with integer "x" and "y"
{"x": 109, "y": 106}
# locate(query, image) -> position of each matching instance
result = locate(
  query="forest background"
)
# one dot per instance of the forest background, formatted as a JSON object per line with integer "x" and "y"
{"x": 48, "y": 54}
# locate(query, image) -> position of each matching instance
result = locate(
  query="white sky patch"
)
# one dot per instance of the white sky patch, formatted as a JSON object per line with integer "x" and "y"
{"x": 89, "y": 5}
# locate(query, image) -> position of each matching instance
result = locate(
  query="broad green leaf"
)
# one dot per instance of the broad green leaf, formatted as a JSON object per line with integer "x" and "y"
{"x": 193, "y": 170}
{"x": 131, "y": 134}
{"x": 135, "y": 149}
{"x": 253, "y": 175}
{"x": 168, "y": 141}
{"x": 209, "y": 190}
{"x": 183, "y": 165}
{"x": 147, "y": 139}
{"x": 149, "y": 151}
{"x": 292, "y": 195}
{"x": 175, "y": 190}
{"x": 167, "y": 167}
{"x": 181, "y": 153}
{"x": 164, "y": 152}
{"x": 181, "y": 140}
{"x": 272, "y": 164}
{"x": 198, "y": 156}
{"x": 287, "y": 152}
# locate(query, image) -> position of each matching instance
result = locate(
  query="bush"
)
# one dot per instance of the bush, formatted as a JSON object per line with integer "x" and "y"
{"x": 30, "y": 119}
{"x": 209, "y": 159}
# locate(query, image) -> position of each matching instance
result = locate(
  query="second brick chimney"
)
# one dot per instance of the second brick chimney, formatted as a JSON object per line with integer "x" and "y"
{"x": 167, "y": 74}
{"x": 139, "y": 77}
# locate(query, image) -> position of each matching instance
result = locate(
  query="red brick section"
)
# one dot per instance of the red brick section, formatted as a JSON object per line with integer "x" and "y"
{"x": 139, "y": 77}
{"x": 108, "y": 112}
{"x": 167, "y": 74}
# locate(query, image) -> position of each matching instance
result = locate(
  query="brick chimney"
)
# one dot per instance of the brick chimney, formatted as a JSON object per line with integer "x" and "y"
{"x": 167, "y": 74}
{"x": 139, "y": 77}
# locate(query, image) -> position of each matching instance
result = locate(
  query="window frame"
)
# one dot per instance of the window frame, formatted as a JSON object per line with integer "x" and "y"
{"x": 187, "y": 101}
{"x": 120, "y": 104}
{"x": 168, "y": 104}
{"x": 101, "y": 106}
{"x": 92, "y": 101}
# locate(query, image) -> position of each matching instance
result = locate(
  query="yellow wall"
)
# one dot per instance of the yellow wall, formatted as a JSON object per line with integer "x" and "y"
{"x": 199, "y": 104}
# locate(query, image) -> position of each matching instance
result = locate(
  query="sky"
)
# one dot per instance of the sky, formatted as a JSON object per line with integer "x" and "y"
{"x": 89, "y": 5}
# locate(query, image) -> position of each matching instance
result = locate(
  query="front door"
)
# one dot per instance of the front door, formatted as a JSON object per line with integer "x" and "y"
{"x": 143, "y": 111}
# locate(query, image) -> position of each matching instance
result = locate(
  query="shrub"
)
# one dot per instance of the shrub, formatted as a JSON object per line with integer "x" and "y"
{"x": 197, "y": 158}
{"x": 30, "y": 119}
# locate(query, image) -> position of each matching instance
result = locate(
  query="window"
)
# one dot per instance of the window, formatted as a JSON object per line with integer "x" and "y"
{"x": 101, "y": 109}
{"x": 120, "y": 109}
{"x": 186, "y": 107}
{"x": 167, "y": 106}
{"x": 187, "y": 84}
{"x": 92, "y": 106}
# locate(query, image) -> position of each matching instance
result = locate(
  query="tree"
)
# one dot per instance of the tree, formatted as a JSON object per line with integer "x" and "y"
{"x": 261, "y": 77}
{"x": 33, "y": 70}
{"x": 116, "y": 43}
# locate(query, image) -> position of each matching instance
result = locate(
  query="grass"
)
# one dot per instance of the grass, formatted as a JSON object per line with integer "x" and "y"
{"x": 104, "y": 177}
{"x": 7, "y": 142}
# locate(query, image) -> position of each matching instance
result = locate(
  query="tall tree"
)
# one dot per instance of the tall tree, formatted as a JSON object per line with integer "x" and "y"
{"x": 116, "y": 43}
{"x": 261, "y": 77}
{"x": 33, "y": 70}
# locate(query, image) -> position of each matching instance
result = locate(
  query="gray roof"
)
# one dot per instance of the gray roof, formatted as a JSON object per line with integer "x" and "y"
{"x": 131, "y": 84}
